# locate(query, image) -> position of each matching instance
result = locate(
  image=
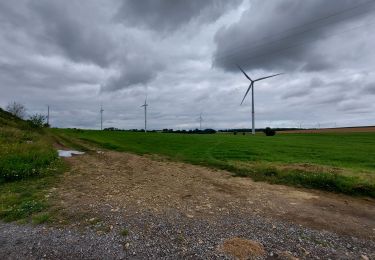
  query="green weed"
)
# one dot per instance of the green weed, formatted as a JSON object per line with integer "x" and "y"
{"x": 124, "y": 232}
{"x": 41, "y": 218}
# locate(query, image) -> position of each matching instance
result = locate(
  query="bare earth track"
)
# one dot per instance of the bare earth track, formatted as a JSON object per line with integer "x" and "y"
{"x": 174, "y": 210}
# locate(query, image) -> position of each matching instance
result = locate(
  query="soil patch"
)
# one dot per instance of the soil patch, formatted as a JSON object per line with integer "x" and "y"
{"x": 243, "y": 249}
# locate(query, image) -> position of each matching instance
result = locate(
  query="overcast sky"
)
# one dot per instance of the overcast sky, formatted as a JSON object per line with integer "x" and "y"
{"x": 75, "y": 55}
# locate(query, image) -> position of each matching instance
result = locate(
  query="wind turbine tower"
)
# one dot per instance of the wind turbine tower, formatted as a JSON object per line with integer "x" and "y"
{"x": 145, "y": 107}
{"x": 200, "y": 121}
{"x": 101, "y": 117}
{"x": 48, "y": 115}
{"x": 251, "y": 86}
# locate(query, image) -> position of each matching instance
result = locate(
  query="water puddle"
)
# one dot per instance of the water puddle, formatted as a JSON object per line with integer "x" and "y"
{"x": 68, "y": 153}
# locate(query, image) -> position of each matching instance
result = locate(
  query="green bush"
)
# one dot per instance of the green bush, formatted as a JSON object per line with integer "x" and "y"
{"x": 269, "y": 132}
{"x": 37, "y": 120}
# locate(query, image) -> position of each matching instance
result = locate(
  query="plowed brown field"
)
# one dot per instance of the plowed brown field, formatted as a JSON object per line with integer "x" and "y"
{"x": 360, "y": 129}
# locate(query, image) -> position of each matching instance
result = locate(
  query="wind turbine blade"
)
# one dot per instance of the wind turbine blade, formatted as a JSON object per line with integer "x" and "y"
{"x": 247, "y": 91}
{"x": 244, "y": 73}
{"x": 268, "y": 77}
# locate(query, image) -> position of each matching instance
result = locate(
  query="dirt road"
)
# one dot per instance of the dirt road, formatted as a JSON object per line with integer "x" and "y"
{"x": 168, "y": 209}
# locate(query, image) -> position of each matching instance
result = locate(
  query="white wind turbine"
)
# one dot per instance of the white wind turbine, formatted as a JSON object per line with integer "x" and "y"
{"x": 145, "y": 107}
{"x": 101, "y": 117}
{"x": 200, "y": 121}
{"x": 251, "y": 86}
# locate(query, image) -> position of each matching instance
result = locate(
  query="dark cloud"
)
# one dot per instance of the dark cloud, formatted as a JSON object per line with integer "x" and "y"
{"x": 37, "y": 75}
{"x": 369, "y": 88}
{"x": 354, "y": 107}
{"x": 84, "y": 33}
{"x": 302, "y": 89}
{"x": 63, "y": 26}
{"x": 269, "y": 34}
{"x": 297, "y": 93}
{"x": 316, "y": 62}
{"x": 11, "y": 14}
{"x": 139, "y": 71}
{"x": 165, "y": 15}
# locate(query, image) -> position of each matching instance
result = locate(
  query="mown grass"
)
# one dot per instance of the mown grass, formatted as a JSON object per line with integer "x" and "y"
{"x": 348, "y": 158}
{"x": 29, "y": 166}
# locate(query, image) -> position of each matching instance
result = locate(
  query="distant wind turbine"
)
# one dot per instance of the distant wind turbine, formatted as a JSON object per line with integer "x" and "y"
{"x": 101, "y": 117}
{"x": 251, "y": 86}
{"x": 48, "y": 115}
{"x": 200, "y": 121}
{"x": 145, "y": 106}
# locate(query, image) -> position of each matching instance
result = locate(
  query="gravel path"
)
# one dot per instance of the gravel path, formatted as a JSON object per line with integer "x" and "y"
{"x": 175, "y": 236}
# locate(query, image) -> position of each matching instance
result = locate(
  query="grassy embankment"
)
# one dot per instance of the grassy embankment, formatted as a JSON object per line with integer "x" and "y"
{"x": 28, "y": 168}
{"x": 342, "y": 162}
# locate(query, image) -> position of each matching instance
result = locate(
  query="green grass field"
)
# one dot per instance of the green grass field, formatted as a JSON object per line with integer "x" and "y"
{"x": 342, "y": 162}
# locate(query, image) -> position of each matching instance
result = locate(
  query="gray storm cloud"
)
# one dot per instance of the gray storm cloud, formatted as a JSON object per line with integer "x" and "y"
{"x": 165, "y": 15}
{"x": 136, "y": 72}
{"x": 286, "y": 34}
{"x": 63, "y": 27}
{"x": 369, "y": 89}
{"x": 80, "y": 33}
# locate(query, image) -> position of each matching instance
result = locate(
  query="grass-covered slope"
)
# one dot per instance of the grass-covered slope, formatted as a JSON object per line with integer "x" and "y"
{"x": 24, "y": 150}
{"x": 340, "y": 162}
{"x": 28, "y": 166}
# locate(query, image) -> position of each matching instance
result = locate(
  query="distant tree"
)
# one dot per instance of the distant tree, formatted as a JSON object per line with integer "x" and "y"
{"x": 269, "y": 132}
{"x": 16, "y": 109}
{"x": 37, "y": 120}
{"x": 234, "y": 132}
{"x": 111, "y": 129}
{"x": 209, "y": 131}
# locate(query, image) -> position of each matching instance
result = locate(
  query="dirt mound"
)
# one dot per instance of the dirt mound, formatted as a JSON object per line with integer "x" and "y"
{"x": 242, "y": 248}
